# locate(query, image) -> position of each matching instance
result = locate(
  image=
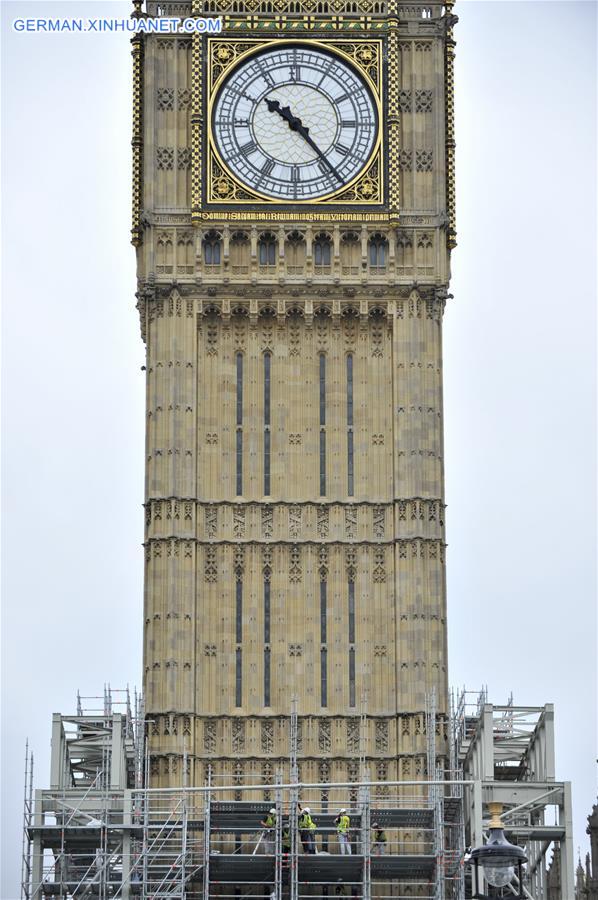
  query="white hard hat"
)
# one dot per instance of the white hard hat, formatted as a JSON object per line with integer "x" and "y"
{"x": 342, "y": 810}
{"x": 306, "y": 809}
{"x": 272, "y": 810}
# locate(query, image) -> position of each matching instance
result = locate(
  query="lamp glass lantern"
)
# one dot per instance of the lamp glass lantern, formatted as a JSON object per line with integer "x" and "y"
{"x": 497, "y": 857}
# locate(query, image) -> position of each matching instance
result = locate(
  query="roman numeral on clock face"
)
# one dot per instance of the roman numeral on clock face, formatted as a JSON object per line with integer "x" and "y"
{"x": 340, "y": 148}
{"x": 348, "y": 123}
{"x": 248, "y": 148}
{"x": 325, "y": 170}
{"x": 267, "y": 167}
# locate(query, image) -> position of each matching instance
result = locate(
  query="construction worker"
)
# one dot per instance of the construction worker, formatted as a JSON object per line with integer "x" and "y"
{"x": 343, "y": 825}
{"x": 286, "y": 839}
{"x": 378, "y": 840}
{"x": 339, "y": 888}
{"x": 307, "y": 828}
{"x": 269, "y": 825}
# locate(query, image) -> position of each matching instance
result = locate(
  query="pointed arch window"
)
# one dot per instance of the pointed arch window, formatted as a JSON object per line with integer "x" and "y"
{"x": 350, "y": 253}
{"x": 378, "y": 254}
{"x": 295, "y": 253}
{"x": 164, "y": 255}
{"x": 322, "y": 252}
{"x": 267, "y": 251}
{"x": 212, "y": 251}
{"x": 239, "y": 253}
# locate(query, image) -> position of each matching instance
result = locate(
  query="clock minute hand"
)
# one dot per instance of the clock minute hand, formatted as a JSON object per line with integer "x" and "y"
{"x": 295, "y": 124}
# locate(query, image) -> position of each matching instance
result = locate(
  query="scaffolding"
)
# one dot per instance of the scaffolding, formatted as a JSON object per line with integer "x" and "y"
{"x": 100, "y": 832}
{"x": 506, "y": 755}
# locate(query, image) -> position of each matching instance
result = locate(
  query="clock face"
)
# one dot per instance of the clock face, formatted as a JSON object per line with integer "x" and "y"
{"x": 294, "y": 123}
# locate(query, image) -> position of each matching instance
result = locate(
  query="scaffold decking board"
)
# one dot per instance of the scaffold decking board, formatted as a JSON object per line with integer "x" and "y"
{"x": 237, "y": 817}
{"x": 241, "y": 868}
{"x": 79, "y": 837}
{"x": 403, "y": 818}
{"x": 536, "y": 832}
{"x": 324, "y": 867}
{"x": 384, "y": 867}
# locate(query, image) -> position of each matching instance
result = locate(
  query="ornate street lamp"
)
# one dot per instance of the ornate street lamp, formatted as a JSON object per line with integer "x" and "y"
{"x": 497, "y": 857}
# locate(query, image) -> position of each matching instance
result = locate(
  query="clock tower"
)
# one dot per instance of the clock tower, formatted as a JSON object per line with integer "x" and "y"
{"x": 293, "y": 217}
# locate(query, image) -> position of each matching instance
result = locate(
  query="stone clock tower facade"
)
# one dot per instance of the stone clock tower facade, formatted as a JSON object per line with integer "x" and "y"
{"x": 293, "y": 217}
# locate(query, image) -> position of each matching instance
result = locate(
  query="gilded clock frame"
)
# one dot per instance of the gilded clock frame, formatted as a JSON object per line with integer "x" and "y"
{"x": 366, "y": 189}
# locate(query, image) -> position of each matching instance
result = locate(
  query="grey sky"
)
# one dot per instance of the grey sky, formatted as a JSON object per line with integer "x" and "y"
{"x": 519, "y": 379}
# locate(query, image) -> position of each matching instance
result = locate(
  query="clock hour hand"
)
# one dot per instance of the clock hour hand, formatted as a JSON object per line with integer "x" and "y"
{"x": 295, "y": 124}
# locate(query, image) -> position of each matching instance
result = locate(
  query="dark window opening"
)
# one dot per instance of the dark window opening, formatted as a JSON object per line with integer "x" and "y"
{"x": 266, "y": 612}
{"x": 239, "y": 611}
{"x": 239, "y": 462}
{"x": 239, "y": 677}
{"x": 212, "y": 250}
{"x": 267, "y": 250}
{"x": 323, "y": 611}
{"x": 267, "y": 676}
{"x": 351, "y": 612}
{"x": 322, "y": 463}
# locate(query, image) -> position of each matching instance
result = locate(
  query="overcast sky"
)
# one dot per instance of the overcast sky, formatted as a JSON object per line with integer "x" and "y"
{"x": 519, "y": 379}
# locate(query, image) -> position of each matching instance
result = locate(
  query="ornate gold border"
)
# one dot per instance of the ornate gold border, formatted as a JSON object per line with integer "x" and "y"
{"x": 367, "y": 188}
{"x": 137, "y": 141}
{"x": 393, "y": 121}
{"x": 449, "y": 87}
{"x": 196, "y": 125}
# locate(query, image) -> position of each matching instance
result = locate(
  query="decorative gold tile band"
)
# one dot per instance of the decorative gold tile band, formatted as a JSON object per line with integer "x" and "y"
{"x": 196, "y": 126}
{"x": 137, "y": 140}
{"x": 393, "y": 121}
{"x": 449, "y": 81}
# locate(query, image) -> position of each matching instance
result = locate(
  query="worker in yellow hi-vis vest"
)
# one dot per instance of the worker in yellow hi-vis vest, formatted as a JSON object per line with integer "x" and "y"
{"x": 343, "y": 827}
{"x": 269, "y": 835}
{"x": 307, "y": 830}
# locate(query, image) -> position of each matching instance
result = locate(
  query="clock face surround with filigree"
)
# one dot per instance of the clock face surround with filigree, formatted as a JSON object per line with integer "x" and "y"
{"x": 295, "y": 123}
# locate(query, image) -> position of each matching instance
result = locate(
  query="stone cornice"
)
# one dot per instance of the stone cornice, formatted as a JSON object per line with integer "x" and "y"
{"x": 293, "y": 542}
{"x": 271, "y": 503}
{"x": 406, "y": 301}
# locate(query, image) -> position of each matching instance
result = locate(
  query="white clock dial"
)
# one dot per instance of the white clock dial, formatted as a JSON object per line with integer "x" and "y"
{"x": 294, "y": 123}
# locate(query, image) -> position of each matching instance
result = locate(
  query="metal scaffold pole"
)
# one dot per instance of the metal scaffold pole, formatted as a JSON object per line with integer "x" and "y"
{"x": 27, "y": 812}
{"x": 278, "y": 851}
{"x": 145, "y": 840}
{"x": 206, "y": 839}
{"x": 366, "y": 843}
{"x": 439, "y": 837}
{"x": 431, "y": 741}
{"x": 294, "y": 801}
